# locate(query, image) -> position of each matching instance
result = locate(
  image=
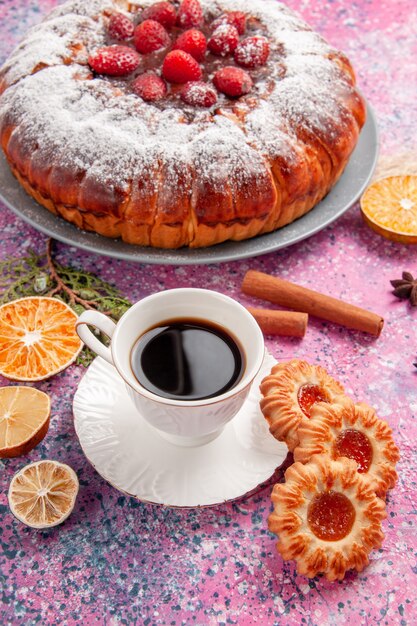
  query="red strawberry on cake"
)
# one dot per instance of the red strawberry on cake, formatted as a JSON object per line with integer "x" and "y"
{"x": 120, "y": 27}
{"x": 199, "y": 94}
{"x": 252, "y": 52}
{"x": 150, "y": 36}
{"x": 114, "y": 60}
{"x": 190, "y": 14}
{"x": 224, "y": 40}
{"x": 194, "y": 42}
{"x": 177, "y": 123}
{"x": 233, "y": 81}
{"x": 149, "y": 87}
{"x": 180, "y": 67}
{"x": 234, "y": 18}
{"x": 162, "y": 12}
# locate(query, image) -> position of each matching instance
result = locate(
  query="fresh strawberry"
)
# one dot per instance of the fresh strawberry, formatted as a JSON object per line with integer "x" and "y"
{"x": 149, "y": 87}
{"x": 150, "y": 36}
{"x": 199, "y": 94}
{"x": 190, "y": 14}
{"x": 162, "y": 12}
{"x": 193, "y": 42}
{"x": 234, "y": 18}
{"x": 232, "y": 81}
{"x": 180, "y": 67}
{"x": 120, "y": 27}
{"x": 114, "y": 60}
{"x": 252, "y": 52}
{"x": 224, "y": 40}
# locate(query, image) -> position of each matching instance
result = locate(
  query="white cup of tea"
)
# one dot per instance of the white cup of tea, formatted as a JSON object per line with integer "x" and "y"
{"x": 183, "y": 381}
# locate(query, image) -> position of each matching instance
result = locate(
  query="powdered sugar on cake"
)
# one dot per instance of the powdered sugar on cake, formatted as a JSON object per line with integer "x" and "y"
{"x": 94, "y": 127}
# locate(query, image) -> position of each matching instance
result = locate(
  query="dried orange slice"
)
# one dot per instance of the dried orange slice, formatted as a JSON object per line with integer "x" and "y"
{"x": 389, "y": 207}
{"x": 43, "y": 494}
{"x": 37, "y": 338}
{"x": 24, "y": 419}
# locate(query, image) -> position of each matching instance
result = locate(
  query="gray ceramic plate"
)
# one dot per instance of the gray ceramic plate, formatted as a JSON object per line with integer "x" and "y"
{"x": 349, "y": 188}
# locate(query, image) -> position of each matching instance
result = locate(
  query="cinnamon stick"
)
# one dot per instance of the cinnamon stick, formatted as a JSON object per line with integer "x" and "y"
{"x": 283, "y": 323}
{"x": 312, "y": 302}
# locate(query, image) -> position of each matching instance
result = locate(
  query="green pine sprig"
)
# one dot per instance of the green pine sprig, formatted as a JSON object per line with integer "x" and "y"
{"x": 24, "y": 276}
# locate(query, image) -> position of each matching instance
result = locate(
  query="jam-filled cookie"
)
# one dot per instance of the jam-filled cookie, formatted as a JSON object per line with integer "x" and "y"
{"x": 328, "y": 519}
{"x": 289, "y": 393}
{"x": 353, "y": 431}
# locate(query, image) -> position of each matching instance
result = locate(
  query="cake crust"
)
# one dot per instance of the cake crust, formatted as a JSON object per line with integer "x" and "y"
{"x": 173, "y": 175}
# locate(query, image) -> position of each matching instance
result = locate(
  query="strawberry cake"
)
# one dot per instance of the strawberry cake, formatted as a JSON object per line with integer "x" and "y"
{"x": 183, "y": 123}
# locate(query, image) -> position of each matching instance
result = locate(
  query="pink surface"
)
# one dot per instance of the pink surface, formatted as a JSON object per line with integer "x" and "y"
{"x": 118, "y": 561}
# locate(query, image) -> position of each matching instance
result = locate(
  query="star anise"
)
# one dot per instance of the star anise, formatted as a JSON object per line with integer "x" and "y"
{"x": 406, "y": 287}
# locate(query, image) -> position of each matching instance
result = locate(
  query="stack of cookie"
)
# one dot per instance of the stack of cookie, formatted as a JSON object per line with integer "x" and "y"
{"x": 328, "y": 513}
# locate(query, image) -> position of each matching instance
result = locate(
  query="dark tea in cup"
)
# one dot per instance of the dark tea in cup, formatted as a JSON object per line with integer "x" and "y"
{"x": 187, "y": 359}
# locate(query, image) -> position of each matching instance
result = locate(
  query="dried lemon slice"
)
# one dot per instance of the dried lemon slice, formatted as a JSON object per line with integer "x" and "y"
{"x": 37, "y": 338}
{"x": 24, "y": 419}
{"x": 43, "y": 494}
{"x": 389, "y": 207}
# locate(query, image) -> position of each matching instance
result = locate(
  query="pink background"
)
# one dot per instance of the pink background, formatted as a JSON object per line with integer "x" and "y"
{"x": 116, "y": 560}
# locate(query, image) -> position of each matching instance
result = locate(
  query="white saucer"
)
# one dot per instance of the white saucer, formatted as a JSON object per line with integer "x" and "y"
{"x": 128, "y": 453}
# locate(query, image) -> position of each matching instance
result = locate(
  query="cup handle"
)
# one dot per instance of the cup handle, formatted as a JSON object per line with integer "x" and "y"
{"x": 104, "y": 324}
